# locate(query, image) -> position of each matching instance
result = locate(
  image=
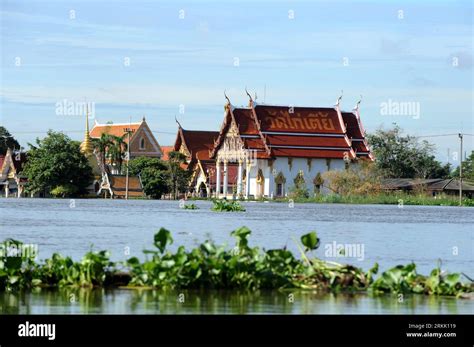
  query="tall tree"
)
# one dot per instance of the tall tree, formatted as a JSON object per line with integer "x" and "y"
{"x": 7, "y": 141}
{"x": 403, "y": 156}
{"x": 467, "y": 168}
{"x": 178, "y": 178}
{"x": 57, "y": 166}
{"x": 153, "y": 173}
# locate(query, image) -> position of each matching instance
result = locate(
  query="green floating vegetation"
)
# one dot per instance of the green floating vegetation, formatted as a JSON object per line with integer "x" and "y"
{"x": 227, "y": 206}
{"x": 191, "y": 207}
{"x": 210, "y": 266}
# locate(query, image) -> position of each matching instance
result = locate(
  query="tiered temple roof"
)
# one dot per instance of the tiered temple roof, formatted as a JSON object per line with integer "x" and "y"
{"x": 285, "y": 131}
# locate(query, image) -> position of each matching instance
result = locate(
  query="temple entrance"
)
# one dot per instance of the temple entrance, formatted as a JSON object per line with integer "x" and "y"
{"x": 202, "y": 190}
{"x": 280, "y": 181}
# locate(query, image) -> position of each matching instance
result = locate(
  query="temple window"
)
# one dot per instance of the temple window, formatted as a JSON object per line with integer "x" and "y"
{"x": 279, "y": 190}
{"x": 280, "y": 181}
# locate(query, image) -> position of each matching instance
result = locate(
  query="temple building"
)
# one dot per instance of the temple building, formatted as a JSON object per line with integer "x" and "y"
{"x": 142, "y": 141}
{"x": 264, "y": 151}
{"x": 107, "y": 183}
{"x": 196, "y": 146}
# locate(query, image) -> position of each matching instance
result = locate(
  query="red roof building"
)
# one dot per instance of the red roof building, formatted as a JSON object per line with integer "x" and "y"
{"x": 281, "y": 145}
{"x": 197, "y": 145}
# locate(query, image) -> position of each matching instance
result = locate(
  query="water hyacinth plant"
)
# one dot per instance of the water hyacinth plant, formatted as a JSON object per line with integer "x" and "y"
{"x": 227, "y": 206}
{"x": 210, "y": 266}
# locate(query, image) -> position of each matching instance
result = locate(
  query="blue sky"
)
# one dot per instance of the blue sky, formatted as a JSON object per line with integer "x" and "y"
{"x": 189, "y": 52}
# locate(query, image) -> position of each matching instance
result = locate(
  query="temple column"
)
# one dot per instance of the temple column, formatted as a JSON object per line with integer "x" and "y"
{"x": 226, "y": 179}
{"x": 218, "y": 178}
{"x": 271, "y": 182}
{"x": 247, "y": 180}
{"x": 239, "y": 179}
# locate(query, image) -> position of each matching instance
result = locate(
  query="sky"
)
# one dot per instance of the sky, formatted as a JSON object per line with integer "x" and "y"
{"x": 412, "y": 63}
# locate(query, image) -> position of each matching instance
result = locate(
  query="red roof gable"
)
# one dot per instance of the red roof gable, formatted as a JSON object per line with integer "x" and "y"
{"x": 198, "y": 143}
{"x": 356, "y": 132}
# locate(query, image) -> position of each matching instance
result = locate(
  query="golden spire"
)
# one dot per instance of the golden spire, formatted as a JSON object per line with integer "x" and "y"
{"x": 86, "y": 145}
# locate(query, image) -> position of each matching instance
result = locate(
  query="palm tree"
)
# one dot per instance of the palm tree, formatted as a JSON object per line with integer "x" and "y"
{"x": 102, "y": 145}
{"x": 117, "y": 150}
{"x": 178, "y": 178}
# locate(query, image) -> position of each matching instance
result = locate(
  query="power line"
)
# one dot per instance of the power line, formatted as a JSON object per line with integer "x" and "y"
{"x": 79, "y": 131}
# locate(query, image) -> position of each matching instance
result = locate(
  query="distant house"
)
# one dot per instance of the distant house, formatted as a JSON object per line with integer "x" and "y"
{"x": 434, "y": 186}
{"x": 12, "y": 182}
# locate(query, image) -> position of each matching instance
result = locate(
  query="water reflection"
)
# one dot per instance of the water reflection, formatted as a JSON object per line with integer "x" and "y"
{"x": 146, "y": 301}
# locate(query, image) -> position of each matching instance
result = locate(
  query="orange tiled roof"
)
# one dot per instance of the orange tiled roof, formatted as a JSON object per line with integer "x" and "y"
{"x": 166, "y": 150}
{"x": 114, "y": 129}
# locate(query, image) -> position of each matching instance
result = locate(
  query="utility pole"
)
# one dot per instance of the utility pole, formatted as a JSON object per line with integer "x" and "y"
{"x": 128, "y": 158}
{"x": 460, "y": 171}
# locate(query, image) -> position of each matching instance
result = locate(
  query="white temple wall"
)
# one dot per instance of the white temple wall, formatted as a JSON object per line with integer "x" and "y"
{"x": 290, "y": 172}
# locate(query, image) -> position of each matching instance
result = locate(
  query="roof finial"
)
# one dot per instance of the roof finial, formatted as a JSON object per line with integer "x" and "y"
{"x": 227, "y": 98}
{"x": 338, "y": 101}
{"x": 250, "y": 97}
{"x": 143, "y": 119}
{"x": 356, "y": 107}
{"x": 177, "y": 122}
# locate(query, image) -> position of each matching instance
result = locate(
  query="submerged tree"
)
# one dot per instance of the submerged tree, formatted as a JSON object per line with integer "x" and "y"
{"x": 153, "y": 173}
{"x": 7, "y": 141}
{"x": 467, "y": 168}
{"x": 178, "y": 178}
{"x": 56, "y": 165}
{"x": 361, "y": 179}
